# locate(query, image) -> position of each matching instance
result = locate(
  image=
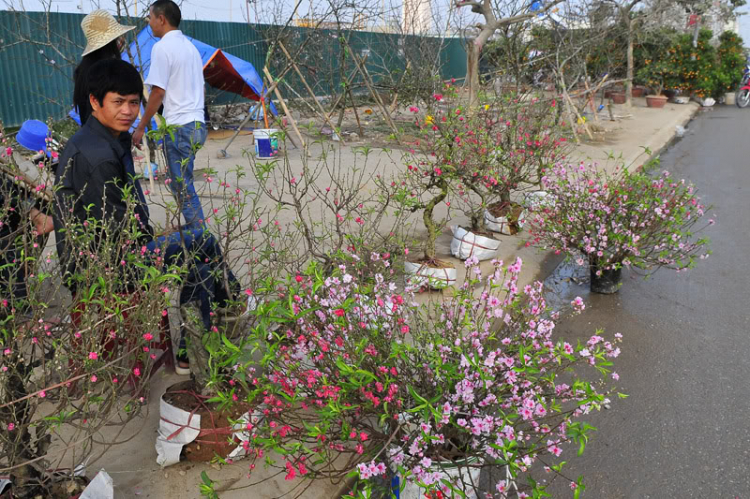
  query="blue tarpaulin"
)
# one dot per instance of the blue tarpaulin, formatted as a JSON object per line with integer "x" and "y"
{"x": 220, "y": 70}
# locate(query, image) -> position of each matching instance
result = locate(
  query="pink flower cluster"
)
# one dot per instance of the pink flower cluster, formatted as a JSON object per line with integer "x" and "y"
{"x": 620, "y": 219}
{"x": 356, "y": 364}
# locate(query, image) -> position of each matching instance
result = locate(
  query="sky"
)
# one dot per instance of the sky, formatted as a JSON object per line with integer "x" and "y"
{"x": 266, "y": 11}
{"x": 224, "y": 10}
{"x": 745, "y": 25}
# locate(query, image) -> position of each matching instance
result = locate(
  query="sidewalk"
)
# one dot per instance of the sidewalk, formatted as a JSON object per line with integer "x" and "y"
{"x": 133, "y": 466}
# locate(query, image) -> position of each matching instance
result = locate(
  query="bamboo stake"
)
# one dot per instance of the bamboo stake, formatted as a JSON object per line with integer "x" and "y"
{"x": 356, "y": 114}
{"x": 146, "y": 150}
{"x": 378, "y": 100}
{"x": 324, "y": 115}
{"x": 590, "y": 100}
{"x": 263, "y": 105}
{"x": 395, "y": 96}
{"x": 284, "y": 107}
{"x": 349, "y": 80}
{"x": 578, "y": 115}
{"x": 572, "y": 120}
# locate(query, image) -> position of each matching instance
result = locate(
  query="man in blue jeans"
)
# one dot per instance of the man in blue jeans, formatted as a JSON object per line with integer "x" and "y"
{"x": 176, "y": 79}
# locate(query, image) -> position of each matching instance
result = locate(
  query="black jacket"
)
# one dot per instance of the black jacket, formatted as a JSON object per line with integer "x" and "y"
{"x": 94, "y": 171}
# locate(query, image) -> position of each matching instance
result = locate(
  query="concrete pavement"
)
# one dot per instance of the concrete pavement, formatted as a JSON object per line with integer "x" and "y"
{"x": 684, "y": 430}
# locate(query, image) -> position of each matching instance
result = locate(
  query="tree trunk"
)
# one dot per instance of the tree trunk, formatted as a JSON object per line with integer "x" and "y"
{"x": 472, "y": 73}
{"x": 629, "y": 76}
{"x": 433, "y": 231}
{"x": 472, "y": 65}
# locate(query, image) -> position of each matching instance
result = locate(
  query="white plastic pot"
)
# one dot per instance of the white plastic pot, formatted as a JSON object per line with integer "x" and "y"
{"x": 466, "y": 244}
{"x": 418, "y": 274}
{"x": 501, "y": 224}
{"x": 460, "y": 476}
{"x": 539, "y": 200}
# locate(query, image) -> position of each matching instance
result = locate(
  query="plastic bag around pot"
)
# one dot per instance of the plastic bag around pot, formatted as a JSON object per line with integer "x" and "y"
{"x": 501, "y": 224}
{"x": 466, "y": 244}
{"x": 419, "y": 274}
{"x": 538, "y": 200}
{"x": 178, "y": 428}
{"x": 459, "y": 474}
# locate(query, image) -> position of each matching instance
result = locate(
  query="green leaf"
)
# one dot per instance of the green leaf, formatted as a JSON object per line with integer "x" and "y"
{"x": 206, "y": 480}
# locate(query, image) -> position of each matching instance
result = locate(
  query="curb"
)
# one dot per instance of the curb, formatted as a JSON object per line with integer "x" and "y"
{"x": 672, "y": 140}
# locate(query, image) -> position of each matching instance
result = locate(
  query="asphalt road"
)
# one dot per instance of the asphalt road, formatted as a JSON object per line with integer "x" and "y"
{"x": 684, "y": 431}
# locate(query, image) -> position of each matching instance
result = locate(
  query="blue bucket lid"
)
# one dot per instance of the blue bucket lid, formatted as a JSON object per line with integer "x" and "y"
{"x": 33, "y": 135}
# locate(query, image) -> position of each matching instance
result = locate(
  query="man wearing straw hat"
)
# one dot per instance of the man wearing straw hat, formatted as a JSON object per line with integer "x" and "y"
{"x": 176, "y": 79}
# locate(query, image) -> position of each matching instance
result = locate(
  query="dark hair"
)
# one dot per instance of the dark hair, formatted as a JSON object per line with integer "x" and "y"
{"x": 169, "y": 10}
{"x": 114, "y": 75}
{"x": 81, "y": 77}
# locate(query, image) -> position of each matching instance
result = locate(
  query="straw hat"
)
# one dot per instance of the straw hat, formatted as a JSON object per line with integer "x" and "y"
{"x": 100, "y": 28}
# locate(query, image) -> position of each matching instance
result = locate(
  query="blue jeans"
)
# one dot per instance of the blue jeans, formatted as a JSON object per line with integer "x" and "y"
{"x": 204, "y": 282}
{"x": 181, "y": 159}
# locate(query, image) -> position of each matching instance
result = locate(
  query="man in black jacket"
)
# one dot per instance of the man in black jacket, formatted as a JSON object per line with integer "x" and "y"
{"x": 96, "y": 180}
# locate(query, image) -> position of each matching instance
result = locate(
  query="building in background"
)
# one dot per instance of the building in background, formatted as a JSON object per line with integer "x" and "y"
{"x": 416, "y": 17}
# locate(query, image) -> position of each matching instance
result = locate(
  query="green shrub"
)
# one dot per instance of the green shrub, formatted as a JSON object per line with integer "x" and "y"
{"x": 731, "y": 61}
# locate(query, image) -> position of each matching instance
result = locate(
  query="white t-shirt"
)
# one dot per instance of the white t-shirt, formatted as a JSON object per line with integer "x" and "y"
{"x": 176, "y": 67}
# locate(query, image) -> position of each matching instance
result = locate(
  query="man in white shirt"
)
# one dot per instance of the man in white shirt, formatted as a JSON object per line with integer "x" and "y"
{"x": 176, "y": 79}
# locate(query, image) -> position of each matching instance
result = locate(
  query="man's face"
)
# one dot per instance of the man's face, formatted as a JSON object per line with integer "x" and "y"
{"x": 156, "y": 23}
{"x": 117, "y": 112}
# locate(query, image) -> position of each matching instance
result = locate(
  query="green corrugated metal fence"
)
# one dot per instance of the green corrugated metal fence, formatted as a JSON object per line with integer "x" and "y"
{"x": 36, "y": 69}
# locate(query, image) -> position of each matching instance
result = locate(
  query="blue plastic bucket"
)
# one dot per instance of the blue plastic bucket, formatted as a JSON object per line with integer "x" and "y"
{"x": 266, "y": 145}
{"x": 33, "y": 136}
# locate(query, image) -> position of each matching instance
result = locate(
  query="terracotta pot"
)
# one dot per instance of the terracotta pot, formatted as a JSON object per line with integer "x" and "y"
{"x": 618, "y": 97}
{"x": 656, "y": 101}
{"x": 639, "y": 91}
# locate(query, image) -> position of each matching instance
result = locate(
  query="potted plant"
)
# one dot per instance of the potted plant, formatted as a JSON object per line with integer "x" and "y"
{"x": 469, "y": 143}
{"x": 364, "y": 383}
{"x": 64, "y": 383}
{"x": 624, "y": 219}
{"x": 731, "y": 60}
{"x": 526, "y": 146}
{"x": 655, "y": 73}
{"x": 427, "y": 182}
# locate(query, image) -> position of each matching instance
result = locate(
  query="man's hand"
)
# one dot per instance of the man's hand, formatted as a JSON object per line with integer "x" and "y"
{"x": 138, "y": 136}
